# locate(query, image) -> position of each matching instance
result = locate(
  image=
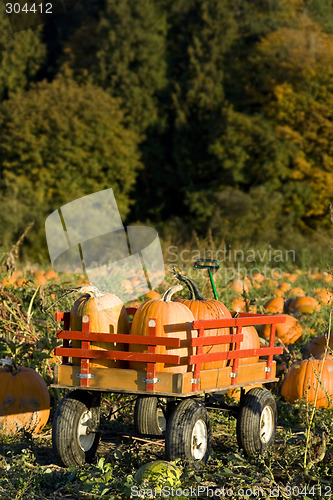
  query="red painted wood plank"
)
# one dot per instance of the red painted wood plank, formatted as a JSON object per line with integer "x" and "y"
{"x": 270, "y": 356}
{"x": 197, "y": 364}
{"x": 117, "y": 337}
{"x": 151, "y": 367}
{"x": 260, "y": 319}
{"x": 131, "y": 310}
{"x": 85, "y": 345}
{"x": 214, "y": 340}
{"x": 235, "y": 363}
{"x": 241, "y": 353}
{"x": 59, "y": 316}
{"x": 122, "y": 355}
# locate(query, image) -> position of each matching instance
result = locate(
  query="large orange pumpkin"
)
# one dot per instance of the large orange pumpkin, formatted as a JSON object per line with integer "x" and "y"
{"x": 316, "y": 347}
{"x": 288, "y": 332}
{"x": 206, "y": 309}
{"x": 304, "y": 305}
{"x": 107, "y": 315}
{"x": 173, "y": 320}
{"x": 302, "y": 380}
{"x": 275, "y": 305}
{"x": 324, "y": 296}
{"x": 24, "y": 400}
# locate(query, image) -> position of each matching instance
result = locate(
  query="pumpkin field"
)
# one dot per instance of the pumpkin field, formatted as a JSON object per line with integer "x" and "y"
{"x": 180, "y": 150}
{"x": 299, "y": 464}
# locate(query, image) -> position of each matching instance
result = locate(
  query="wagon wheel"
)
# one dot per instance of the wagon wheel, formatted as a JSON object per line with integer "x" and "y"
{"x": 256, "y": 423}
{"x": 188, "y": 432}
{"x": 149, "y": 415}
{"x": 75, "y": 436}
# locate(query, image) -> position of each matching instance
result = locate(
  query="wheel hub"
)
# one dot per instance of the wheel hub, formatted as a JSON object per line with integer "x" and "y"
{"x": 161, "y": 421}
{"x": 266, "y": 424}
{"x": 199, "y": 440}
{"x": 85, "y": 436}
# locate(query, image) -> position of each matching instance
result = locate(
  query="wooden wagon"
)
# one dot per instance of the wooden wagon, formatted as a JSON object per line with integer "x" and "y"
{"x": 173, "y": 405}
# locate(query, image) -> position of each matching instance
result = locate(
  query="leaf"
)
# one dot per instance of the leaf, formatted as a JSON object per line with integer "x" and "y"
{"x": 100, "y": 463}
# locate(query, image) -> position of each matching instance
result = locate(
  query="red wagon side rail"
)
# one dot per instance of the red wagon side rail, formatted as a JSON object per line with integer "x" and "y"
{"x": 152, "y": 341}
{"x": 86, "y": 354}
{"x": 244, "y": 319}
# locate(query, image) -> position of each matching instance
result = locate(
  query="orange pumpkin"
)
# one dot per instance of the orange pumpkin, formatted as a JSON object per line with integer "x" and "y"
{"x": 21, "y": 282}
{"x": 297, "y": 292}
{"x": 40, "y": 277}
{"x": 326, "y": 356}
{"x": 24, "y": 400}
{"x": 51, "y": 275}
{"x": 284, "y": 287}
{"x": 174, "y": 320}
{"x": 288, "y": 332}
{"x": 240, "y": 305}
{"x": 304, "y": 305}
{"x": 316, "y": 347}
{"x": 324, "y": 296}
{"x": 302, "y": 380}
{"x": 206, "y": 309}
{"x": 152, "y": 295}
{"x": 240, "y": 286}
{"x": 275, "y": 305}
{"x": 258, "y": 277}
{"x": 316, "y": 276}
{"x": 250, "y": 341}
{"x": 107, "y": 315}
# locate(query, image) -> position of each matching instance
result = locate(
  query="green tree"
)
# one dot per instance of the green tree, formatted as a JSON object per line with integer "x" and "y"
{"x": 60, "y": 141}
{"x": 294, "y": 68}
{"x": 122, "y": 50}
{"x": 199, "y": 35}
{"x": 277, "y": 127}
{"x": 21, "y": 57}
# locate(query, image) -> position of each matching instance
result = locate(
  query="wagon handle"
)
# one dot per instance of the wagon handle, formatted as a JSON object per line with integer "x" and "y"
{"x": 208, "y": 264}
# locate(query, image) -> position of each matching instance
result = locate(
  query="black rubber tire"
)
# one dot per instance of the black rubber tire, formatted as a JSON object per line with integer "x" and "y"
{"x": 146, "y": 411}
{"x": 249, "y": 422}
{"x": 178, "y": 437}
{"x": 65, "y": 438}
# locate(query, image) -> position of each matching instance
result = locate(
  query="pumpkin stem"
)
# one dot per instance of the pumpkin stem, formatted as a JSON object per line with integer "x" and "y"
{"x": 194, "y": 290}
{"x": 169, "y": 293}
{"x": 92, "y": 290}
{"x": 10, "y": 363}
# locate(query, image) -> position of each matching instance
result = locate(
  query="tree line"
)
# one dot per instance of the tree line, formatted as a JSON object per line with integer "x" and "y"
{"x": 212, "y": 115}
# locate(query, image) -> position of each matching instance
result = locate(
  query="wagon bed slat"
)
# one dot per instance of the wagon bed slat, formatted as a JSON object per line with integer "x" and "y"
{"x": 215, "y": 340}
{"x": 237, "y": 354}
{"x": 123, "y": 338}
{"x": 247, "y": 320}
{"x": 120, "y": 355}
